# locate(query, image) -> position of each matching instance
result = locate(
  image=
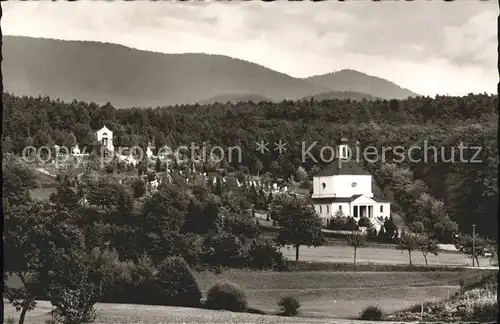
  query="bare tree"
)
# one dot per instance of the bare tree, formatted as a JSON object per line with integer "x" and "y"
{"x": 408, "y": 242}
{"x": 427, "y": 245}
{"x": 472, "y": 247}
{"x": 356, "y": 240}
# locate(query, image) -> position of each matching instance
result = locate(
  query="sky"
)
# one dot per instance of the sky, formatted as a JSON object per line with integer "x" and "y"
{"x": 429, "y": 47}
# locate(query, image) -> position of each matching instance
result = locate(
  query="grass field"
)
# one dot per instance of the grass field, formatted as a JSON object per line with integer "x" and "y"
{"x": 324, "y": 296}
{"x": 341, "y": 294}
{"x": 140, "y": 314}
{"x": 344, "y": 253}
{"x": 42, "y": 193}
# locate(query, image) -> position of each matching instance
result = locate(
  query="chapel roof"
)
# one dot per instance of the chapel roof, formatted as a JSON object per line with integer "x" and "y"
{"x": 343, "y": 167}
{"x": 331, "y": 200}
{"x": 104, "y": 128}
{"x": 336, "y": 199}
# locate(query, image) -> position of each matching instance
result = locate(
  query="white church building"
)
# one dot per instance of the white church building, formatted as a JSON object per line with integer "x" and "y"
{"x": 105, "y": 137}
{"x": 345, "y": 186}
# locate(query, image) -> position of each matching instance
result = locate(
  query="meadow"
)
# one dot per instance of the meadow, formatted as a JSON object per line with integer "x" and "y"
{"x": 344, "y": 253}
{"x": 341, "y": 294}
{"x": 324, "y": 295}
{"x": 145, "y": 314}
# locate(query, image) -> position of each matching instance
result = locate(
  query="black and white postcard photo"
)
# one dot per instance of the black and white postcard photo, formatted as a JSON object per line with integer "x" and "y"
{"x": 250, "y": 162}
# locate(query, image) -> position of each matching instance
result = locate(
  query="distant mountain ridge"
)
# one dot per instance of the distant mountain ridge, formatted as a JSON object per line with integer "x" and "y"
{"x": 235, "y": 98}
{"x": 330, "y": 95}
{"x": 126, "y": 77}
{"x": 351, "y": 80}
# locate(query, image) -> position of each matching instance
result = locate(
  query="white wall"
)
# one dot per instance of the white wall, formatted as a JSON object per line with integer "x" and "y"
{"x": 109, "y": 135}
{"x": 324, "y": 210}
{"x": 331, "y": 210}
{"x": 340, "y": 186}
{"x": 318, "y": 190}
{"x": 364, "y": 201}
{"x": 345, "y": 209}
{"x": 386, "y": 212}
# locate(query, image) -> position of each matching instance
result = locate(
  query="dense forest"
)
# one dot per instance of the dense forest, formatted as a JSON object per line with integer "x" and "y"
{"x": 466, "y": 192}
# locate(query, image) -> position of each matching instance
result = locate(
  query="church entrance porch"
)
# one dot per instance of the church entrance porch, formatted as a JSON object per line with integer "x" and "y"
{"x": 363, "y": 211}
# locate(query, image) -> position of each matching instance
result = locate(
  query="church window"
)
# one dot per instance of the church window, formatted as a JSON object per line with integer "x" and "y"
{"x": 320, "y": 209}
{"x": 328, "y": 209}
{"x": 340, "y": 208}
{"x": 323, "y": 185}
{"x": 382, "y": 209}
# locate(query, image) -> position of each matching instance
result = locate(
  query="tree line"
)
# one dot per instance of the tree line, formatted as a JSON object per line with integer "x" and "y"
{"x": 466, "y": 192}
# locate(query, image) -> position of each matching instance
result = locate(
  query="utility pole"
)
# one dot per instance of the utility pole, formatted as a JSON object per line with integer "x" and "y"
{"x": 473, "y": 244}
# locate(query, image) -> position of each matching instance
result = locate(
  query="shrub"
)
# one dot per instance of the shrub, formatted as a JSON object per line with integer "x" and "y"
{"x": 305, "y": 185}
{"x": 176, "y": 284}
{"x": 262, "y": 254}
{"x": 485, "y": 310}
{"x": 10, "y": 320}
{"x": 217, "y": 269}
{"x": 223, "y": 249}
{"x": 372, "y": 313}
{"x": 55, "y": 318}
{"x": 365, "y": 222}
{"x": 461, "y": 282}
{"x": 289, "y": 306}
{"x": 138, "y": 187}
{"x": 76, "y": 287}
{"x": 112, "y": 273}
{"x": 371, "y": 234}
{"x": 109, "y": 168}
{"x": 342, "y": 223}
{"x": 76, "y": 303}
{"x": 242, "y": 225}
{"x": 417, "y": 227}
{"x": 478, "y": 304}
{"x": 142, "y": 287}
{"x": 189, "y": 247}
{"x": 227, "y": 295}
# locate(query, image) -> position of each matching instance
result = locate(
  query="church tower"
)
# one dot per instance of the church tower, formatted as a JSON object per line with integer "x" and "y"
{"x": 343, "y": 150}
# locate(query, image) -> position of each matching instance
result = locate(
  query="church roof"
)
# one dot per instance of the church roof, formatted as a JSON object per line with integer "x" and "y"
{"x": 345, "y": 167}
{"x": 104, "y": 128}
{"x": 380, "y": 200}
{"x": 343, "y": 200}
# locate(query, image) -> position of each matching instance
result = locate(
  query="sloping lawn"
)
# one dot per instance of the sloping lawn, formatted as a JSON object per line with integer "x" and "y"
{"x": 42, "y": 193}
{"x": 341, "y": 294}
{"x": 143, "y": 314}
{"x": 324, "y": 295}
{"x": 344, "y": 253}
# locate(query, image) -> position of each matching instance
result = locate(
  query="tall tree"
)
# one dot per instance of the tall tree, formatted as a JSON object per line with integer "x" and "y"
{"x": 18, "y": 180}
{"x": 297, "y": 221}
{"x": 36, "y": 234}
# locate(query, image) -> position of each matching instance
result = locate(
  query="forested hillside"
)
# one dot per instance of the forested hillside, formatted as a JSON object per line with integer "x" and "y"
{"x": 466, "y": 192}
